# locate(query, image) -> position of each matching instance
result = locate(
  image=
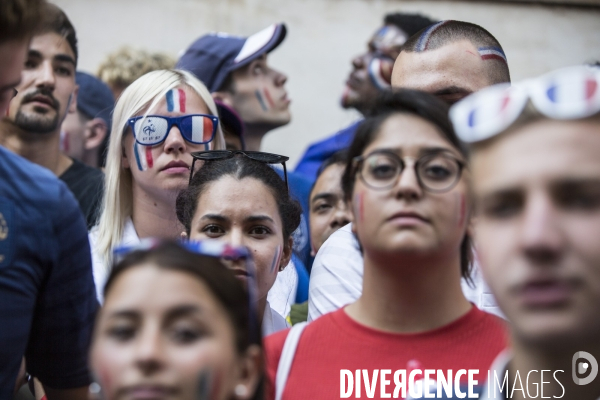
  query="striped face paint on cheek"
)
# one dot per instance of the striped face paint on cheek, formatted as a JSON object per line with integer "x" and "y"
{"x": 359, "y": 206}
{"x": 176, "y": 100}
{"x": 143, "y": 156}
{"x": 261, "y": 100}
{"x": 276, "y": 259}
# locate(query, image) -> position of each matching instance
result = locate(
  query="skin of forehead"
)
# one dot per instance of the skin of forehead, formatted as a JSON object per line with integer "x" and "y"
{"x": 456, "y": 64}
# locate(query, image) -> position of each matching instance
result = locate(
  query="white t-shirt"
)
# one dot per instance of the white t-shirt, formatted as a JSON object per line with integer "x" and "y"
{"x": 337, "y": 275}
{"x": 272, "y": 321}
{"x": 282, "y": 292}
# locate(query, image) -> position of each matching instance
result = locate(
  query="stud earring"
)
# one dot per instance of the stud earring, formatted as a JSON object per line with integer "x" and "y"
{"x": 241, "y": 390}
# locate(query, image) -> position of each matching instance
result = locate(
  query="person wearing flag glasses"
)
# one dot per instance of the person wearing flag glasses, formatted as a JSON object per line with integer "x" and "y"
{"x": 536, "y": 184}
{"x": 159, "y": 120}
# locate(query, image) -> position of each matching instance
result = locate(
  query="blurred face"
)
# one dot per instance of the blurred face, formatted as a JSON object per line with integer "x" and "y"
{"x": 451, "y": 72}
{"x": 47, "y": 89}
{"x": 244, "y": 213}
{"x": 259, "y": 94}
{"x": 360, "y": 87}
{"x": 328, "y": 210}
{"x": 538, "y": 225}
{"x": 406, "y": 220}
{"x": 13, "y": 54}
{"x": 165, "y": 167}
{"x": 161, "y": 333}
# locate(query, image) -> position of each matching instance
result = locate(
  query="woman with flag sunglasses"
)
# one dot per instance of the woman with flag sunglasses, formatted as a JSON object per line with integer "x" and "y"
{"x": 158, "y": 121}
{"x": 239, "y": 198}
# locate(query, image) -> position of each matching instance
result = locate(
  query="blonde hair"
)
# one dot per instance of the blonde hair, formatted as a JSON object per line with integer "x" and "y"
{"x": 117, "y": 204}
{"x": 123, "y": 67}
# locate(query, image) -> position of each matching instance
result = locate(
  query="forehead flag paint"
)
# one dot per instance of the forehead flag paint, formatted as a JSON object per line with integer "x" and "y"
{"x": 425, "y": 36}
{"x": 176, "y": 100}
{"x": 491, "y": 53}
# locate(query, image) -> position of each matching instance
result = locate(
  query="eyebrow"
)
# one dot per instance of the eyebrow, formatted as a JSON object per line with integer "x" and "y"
{"x": 129, "y": 314}
{"x": 434, "y": 150}
{"x": 325, "y": 195}
{"x": 451, "y": 90}
{"x": 58, "y": 57}
{"x": 217, "y": 217}
{"x": 256, "y": 218}
{"x": 182, "y": 311}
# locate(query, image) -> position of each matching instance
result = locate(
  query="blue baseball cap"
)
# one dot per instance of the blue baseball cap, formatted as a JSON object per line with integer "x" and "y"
{"x": 95, "y": 98}
{"x": 212, "y": 57}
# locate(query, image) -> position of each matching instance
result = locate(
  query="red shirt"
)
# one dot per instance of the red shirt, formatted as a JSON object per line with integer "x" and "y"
{"x": 335, "y": 342}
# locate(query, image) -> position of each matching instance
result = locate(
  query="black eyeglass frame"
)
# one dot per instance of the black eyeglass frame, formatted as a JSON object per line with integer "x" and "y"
{"x": 216, "y": 155}
{"x": 358, "y": 160}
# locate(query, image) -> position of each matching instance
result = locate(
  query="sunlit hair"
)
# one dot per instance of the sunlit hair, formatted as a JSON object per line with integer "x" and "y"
{"x": 117, "y": 204}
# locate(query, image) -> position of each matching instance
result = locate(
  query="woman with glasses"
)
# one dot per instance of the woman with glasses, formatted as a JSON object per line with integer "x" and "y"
{"x": 239, "y": 198}
{"x": 158, "y": 121}
{"x": 407, "y": 182}
{"x": 176, "y": 324}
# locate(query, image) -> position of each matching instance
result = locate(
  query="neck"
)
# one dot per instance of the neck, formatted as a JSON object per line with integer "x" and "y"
{"x": 406, "y": 294}
{"x": 41, "y": 149}
{"x": 90, "y": 157}
{"x": 154, "y": 217}
{"x": 552, "y": 359}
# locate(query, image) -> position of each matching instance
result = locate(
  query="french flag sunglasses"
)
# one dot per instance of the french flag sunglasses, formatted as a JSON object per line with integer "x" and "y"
{"x": 568, "y": 93}
{"x": 151, "y": 130}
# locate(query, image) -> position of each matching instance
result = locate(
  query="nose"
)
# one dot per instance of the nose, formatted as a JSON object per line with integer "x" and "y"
{"x": 280, "y": 78}
{"x": 45, "y": 76}
{"x": 235, "y": 237}
{"x": 541, "y": 236}
{"x": 359, "y": 62}
{"x": 149, "y": 351}
{"x": 175, "y": 143}
{"x": 408, "y": 186}
{"x": 342, "y": 216}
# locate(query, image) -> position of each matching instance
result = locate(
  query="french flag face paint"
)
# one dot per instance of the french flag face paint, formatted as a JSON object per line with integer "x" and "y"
{"x": 426, "y": 36}
{"x": 276, "y": 259}
{"x": 491, "y": 53}
{"x": 380, "y": 72}
{"x": 143, "y": 156}
{"x": 261, "y": 100}
{"x": 176, "y": 100}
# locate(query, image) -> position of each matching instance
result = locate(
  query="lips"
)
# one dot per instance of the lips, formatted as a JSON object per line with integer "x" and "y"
{"x": 546, "y": 292}
{"x": 149, "y": 392}
{"x": 176, "y": 166}
{"x": 408, "y": 215}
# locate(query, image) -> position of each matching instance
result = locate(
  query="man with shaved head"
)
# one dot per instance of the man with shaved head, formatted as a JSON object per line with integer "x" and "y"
{"x": 450, "y": 59}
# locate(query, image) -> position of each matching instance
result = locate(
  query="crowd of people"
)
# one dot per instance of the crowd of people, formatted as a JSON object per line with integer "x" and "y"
{"x": 443, "y": 246}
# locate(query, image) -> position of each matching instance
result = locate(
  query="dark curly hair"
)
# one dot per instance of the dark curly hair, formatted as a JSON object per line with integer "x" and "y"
{"x": 409, "y": 23}
{"x": 239, "y": 167}
{"x": 405, "y": 101}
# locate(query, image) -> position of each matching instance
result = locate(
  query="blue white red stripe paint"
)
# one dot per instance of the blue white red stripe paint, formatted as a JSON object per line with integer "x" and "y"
{"x": 377, "y": 74}
{"x": 143, "y": 156}
{"x": 276, "y": 259}
{"x": 425, "y": 36}
{"x": 491, "y": 53}
{"x": 176, "y": 100}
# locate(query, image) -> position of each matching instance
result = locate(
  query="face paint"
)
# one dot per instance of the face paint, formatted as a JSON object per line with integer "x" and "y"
{"x": 462, "y": 209}
{"x": 491, "y": 53}
{"x": 380, "y": 72}
{"x": 143, "y": 156}
{"x": 259, "y": 96}
{"x": 176, "y": 100}
{"x": 276, "y": 259}
{"x": 268, "y": 97}
{"x": 204, "y": 385}
{"x": 64, "y": 141}
{"x": 358, "y": 206}
{"x": 425, "y": 36}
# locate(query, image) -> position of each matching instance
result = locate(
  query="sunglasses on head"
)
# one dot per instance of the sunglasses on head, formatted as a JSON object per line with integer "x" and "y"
{"x": 216, "y": 155}
{"x": 569, "y": 93}
{"x": 151, "y": 130}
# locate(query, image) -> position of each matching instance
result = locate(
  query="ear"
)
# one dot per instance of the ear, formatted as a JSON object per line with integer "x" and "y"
{"x": 184, "y": 236}
{"x": 250, "y": 367}
{"x": 95, "y": 133}
{"x": 287, "y": 254}
{"x": 224, "y": 97}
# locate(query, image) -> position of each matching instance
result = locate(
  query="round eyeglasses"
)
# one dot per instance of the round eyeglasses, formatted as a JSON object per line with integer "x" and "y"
{"x": 437, "y": 172}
